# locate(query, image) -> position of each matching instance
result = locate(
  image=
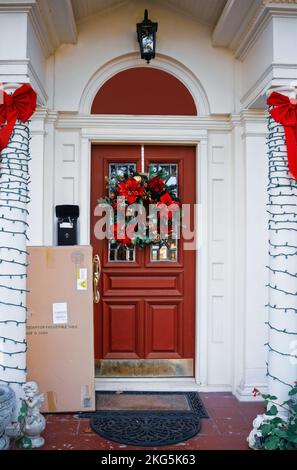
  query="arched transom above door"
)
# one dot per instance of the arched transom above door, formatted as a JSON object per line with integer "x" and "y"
{"x": 144, "y": 91}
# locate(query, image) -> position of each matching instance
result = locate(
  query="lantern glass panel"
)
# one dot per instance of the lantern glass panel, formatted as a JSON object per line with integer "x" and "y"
{"x": 148, "y": 41}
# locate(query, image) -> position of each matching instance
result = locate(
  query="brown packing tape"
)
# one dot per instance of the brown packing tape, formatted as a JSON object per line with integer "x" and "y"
{"x": 50, "y": 258}
{"x": 86, "y": 401}
{"x": 77, "y": 257}
{"x": 51, "y": 401}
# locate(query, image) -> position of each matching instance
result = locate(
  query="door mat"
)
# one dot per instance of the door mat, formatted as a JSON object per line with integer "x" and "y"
{"x": 147, "y": 419}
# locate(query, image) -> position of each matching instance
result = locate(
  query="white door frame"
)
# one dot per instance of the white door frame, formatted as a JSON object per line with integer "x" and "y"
{"x": 155, "y": 130}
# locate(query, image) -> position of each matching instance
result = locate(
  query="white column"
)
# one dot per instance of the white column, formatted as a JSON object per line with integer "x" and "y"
{"x": 238, "y": 197}
{"x": 251, "y": 257}
{"x": 282, "y": 306}
{"x": 14, "y": 197}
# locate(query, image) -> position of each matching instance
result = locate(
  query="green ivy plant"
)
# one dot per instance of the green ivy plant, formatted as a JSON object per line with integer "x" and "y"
{"x": 22, "y": 441}
{"x": 278, "y": 432}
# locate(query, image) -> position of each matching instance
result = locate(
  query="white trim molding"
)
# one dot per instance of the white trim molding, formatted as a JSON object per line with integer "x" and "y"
{"x": 242, "y": 22}
{"x": 134, "y": 128}
{"x": 22, "y": 71}
{"x": 276, "y": 74}
{"x": 264, "y": 14}
{"x": 53, "y": 23}
{"x": 244, "y": 391}
{"x": 233, "y": 21}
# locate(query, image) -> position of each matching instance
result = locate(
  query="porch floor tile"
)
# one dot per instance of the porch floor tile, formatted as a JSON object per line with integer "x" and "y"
{"x": 227, "y": 428}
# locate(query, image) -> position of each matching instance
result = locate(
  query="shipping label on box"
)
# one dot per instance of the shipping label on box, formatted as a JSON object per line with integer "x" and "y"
{"x": 60, "y": 314}
{"x": 82, "y": 279}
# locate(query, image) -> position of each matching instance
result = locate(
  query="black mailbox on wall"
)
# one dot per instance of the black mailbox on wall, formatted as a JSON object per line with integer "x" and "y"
{"x": 67, "y": 224}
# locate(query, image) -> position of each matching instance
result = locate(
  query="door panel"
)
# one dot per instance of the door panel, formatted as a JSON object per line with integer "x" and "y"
{"x": 147, "y": 309}
{"x": 164, "y": 329}
{"x": 185, "y": 159}
{"x": 125, "y": 284}
{"x": 122, "y": 329}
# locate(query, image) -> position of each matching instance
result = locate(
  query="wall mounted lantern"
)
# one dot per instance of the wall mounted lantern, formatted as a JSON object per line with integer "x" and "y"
{"x": 146, "y": 33}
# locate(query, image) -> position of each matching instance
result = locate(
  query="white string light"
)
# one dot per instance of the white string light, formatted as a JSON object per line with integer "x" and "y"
{"x": 282, "y": 224}
{"x": 14, "y": 197}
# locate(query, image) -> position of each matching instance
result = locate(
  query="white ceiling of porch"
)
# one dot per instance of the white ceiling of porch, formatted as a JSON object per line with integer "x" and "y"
{"x": 206, "y": 11}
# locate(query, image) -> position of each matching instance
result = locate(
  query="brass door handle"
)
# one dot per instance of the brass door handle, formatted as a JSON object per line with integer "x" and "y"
{"x": 96, "y": 277}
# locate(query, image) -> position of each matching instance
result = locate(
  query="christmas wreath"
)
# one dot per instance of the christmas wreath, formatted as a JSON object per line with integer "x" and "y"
{"x": 147, "y": 190}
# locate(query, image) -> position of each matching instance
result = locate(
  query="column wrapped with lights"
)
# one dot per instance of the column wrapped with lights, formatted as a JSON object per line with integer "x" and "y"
{"x": 15, "y": 110}
{"x": 282, "y": 210}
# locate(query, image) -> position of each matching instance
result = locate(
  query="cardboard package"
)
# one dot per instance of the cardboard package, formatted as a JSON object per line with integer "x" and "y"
{"x": 60, "y": 355}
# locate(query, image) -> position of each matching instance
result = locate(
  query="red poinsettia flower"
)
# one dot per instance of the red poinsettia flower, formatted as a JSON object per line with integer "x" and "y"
{"x": 130, "y": 189}
{"x": 167, "y": 205}
{"x": 255, "y": 392}
{"x": 156, "y": 184}
{"x": 166, "y": 199}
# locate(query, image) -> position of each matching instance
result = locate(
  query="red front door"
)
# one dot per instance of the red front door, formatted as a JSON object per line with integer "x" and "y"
{"x": 145, "y": 320}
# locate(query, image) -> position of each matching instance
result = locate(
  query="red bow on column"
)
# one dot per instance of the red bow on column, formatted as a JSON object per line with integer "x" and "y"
{"x": 285, "y": 112}
{"x": 20, "y": 105}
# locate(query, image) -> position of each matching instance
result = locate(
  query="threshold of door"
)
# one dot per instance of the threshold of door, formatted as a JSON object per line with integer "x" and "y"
{"x": 148, "y": 384}
{"x": 144, "y": 368}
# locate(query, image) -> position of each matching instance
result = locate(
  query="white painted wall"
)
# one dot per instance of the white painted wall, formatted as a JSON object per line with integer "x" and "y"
{"x": 285, "y": 39}
{"x": 106, "y": 36}
{"x": 254, "y": 268}
{"x": 37, "y": 69}
{"x": 14, "y": 30}
{"x": 258, "y": 59}
{"x": 13, "y": 63}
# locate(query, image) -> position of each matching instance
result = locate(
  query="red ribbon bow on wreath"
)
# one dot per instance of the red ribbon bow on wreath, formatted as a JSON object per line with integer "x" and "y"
{"x": 285, "y": 112}
{"x": 20, "y": 105}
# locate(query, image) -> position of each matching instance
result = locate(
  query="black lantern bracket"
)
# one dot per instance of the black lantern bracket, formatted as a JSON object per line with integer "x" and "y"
{"x": 146, "y": 34}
